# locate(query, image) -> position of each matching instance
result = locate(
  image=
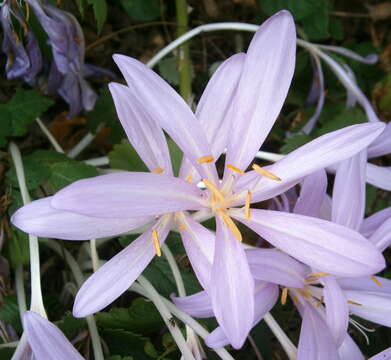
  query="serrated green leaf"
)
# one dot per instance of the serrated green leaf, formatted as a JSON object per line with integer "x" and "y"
{"x": 299, "y": 8}
{"x": 65, "y": 173}
{"x": 9, "y": 312}
{"x": 124, "y": 157}
{"x": 100, "y": 12}
{"x": 142, "y": 10}
{"x": 295, "y": 142}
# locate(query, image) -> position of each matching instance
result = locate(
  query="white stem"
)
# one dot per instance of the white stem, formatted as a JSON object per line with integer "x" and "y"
{"x": 50, "y": 137}
{"x": 9, "y": 345}
{"x": 175, "y": 270}
{"x": 36, "y": 292}
{"x": 154, "y": 296}
{"x": 94, "y": 255}
{"x": 20, "y": 293}
{"x": 80, "y": 146}
{"x": 285, "y": 342}
{"x": 100, "y": 161}
{"x": 269, "y": 156}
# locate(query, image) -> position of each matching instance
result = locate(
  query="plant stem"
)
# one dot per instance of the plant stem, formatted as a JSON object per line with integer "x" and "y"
{"x": 50, "y": 137}
{"x": 20, "y": 293}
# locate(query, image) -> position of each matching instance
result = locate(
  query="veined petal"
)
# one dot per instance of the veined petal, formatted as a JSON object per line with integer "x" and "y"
{"x": 118, "y": 274}
{"x": 145, "y": 135}
{"x": 197, "y": 305}
{"x": 169, "y": 110}
{"x": 366, "y": 283}
{"x": 275, "y": 266}
{"x": 372, "y": 223}
{"x": 349, "y": 192}
{"x": 349, "y": 350}
{"x": 124, "y": 195}
{"x": 384, "y": 355}
{"x": 337, "y": 310}
{"x": 199, "y": 243}
{"x": 379, "y": 176}
{"x": 312, "y": 194}
{"x": 40, "y": 219}
{"x": 381, "y": 238}
{"x": 232, "y": 290}
{"x": 46, "y": 339}
{"x": 382, "y": 144}
{"x": 317, "y": 154}
{"x": 316, "y": 341}
{"x": 263, "y": 86}
{"x": 321, "y": 244}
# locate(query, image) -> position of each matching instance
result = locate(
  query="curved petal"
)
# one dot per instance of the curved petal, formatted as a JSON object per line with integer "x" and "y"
{"x": 275, "y": 266}
{"x": 382, "y": 144}
{"x": 366, "y": 283}
{"x": 349, "y": 350}
{"x": 231, "y": 287}
{"x": 263, "y": 86}
{"x": 169, "y": 110}
{"x": 197, "y": 305}
{"x": 118, "y": 274}
{"x": 46, "y": 339}
{"x": 321, "y": 244}
{"x": 127, "y": 194}
{"x": 379, "y": 176}
{"x": 373, "y": 222}
{"x": 40, "y": 219}
{"x": 145, "y": 135}
{"x": 381, "y": 238}
{"x": 349, "y": 192}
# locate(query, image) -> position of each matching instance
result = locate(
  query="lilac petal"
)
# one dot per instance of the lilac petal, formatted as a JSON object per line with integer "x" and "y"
{"x": 316, "y": 340}
{"x": 118, "y": 274}
{"x": 381, "y": 238}
{"x": 312, "y": 194}
{"x": 369, "y": 59}
{"x": 169, "y": 110}
{"x": 384, "y": 355}
{"x": 127, "y": 194}
{"x": 40, "y": 219}
{"x": 321, "y": 244}
{"x": 349, "y": 192}
{"x": 379, "y": 176}
{"x": 275, "y": 266}
{"x": 143, "y": 133}
{"x": 232, "y": 287}
{"x": 35, "y": 57}
{"x": 217, "y": 99}
{"x": 382, "y": 144}
{"x": 266, "y": 295}
{"x": 197, "y": 305}
{"x": 199, "y": 243}
{"x": 317, "y": 154}
{"x": 372, "y": 223}
{"x": 337, "y": 310}
{"x": 46, "y": 339}
{"x": 374, "y": 306}
{"x": 349, "y": 350}
{"x": 366, "y": 284}
{"x": 263, "y": 86}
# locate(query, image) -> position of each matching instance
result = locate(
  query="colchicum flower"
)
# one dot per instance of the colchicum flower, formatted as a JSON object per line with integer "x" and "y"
{"x": 236, "y": 111}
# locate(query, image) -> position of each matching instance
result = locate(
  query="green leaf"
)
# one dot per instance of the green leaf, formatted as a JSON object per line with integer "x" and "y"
{"x": 100, "y": 12}
{"x": 316, "y": 26}
{"x": 168, "y": 69}
{"x": 142, "y": 10}
{"x": 65, "y": 173}
{"x": 176, "y": 155}
{"x": 336, "y": 29}
{"x": 6, "y": 125}
{"x": 71, "y": 326}
{"x": 299, "y": 8}
{"x": 124, "y": 157}
{"x": 295, "y": 142}
{"x": 9, "y": 312}
{"x": 142, "y": 317}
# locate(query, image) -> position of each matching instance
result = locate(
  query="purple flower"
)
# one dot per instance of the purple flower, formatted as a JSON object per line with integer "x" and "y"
{"x": 115, "y": 203}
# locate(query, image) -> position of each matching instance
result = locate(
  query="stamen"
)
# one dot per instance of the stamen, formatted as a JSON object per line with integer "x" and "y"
{"x": 156, "y": 243}
{"x": 189, "y": 178}
{"x": 376, "y": 281}
{"x": 158, "y": 170}
{"x": 232, "y": 227}
{"x": 295, "y": 300}
{"x": 247, "y": 206}
{"x": 213, "y": 188}
{"x": 319, "y": 302}
{"x": 305, "y": 293}
{"x": 182, "y": 227}
{"x": 205, "y": 159}
{"x": 351, "y": 302}
{"x": 318, "y": 274}
{"x": 234, "y": 168}
{"x": 284, "y": 295}
{"x": 265, "y": 173}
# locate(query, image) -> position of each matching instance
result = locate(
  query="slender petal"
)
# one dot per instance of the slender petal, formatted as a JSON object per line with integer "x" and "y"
{"x": 349, "y": 350}
{"x": 232, "y": 287}
{"x": 312, "y": 194}
{"x": 275, "y": 266}
{"x": 382, "y": 144}
{"x": 169, "y": 110}
{"x": 127, "y": 194}
{"x": 145, "y": 135}
{"x": 379, "y": 176}
{"x": 384, "y": 355}
{"x": 349, "y": 191}
{"x": 381, "y": 238}
{"x": 263, "y": 86}
{"x": 197, "y": 305}
{"x": 372, "y": 223}
{"x": 366, "y": 284}
{"x": 118, "y": 274}
{"x": 321, "y": 244}
{"x": 46, "y": 339}
{"x": 40, "y": 219}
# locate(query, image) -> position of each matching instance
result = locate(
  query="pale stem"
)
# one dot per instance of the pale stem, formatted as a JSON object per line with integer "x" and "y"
{"x": 100, "y": 161}
{"x": 285, "y": 342}
{"x": 80, "y": 146}
{"x": 20, "y": 293}
{"x": 255, "y": 348}
{"x": 9, "y": 345}
{"x": 94, "y": 255}
{"x": 50, "y": 137}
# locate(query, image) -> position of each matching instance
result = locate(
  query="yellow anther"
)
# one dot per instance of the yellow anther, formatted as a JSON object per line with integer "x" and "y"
{"x": 376, "y": 281}
{"x": 213, "y": 189}
{"x": 158, "y": 170}
{"x": 284, "y": 296}
{"x": 156, "y": 243}
{"x": 232, "y": 227}
{"x": 182, "y": 227}
{"x": 189, "y": 178}
{"x": 305, "y": 293}
{"x": 295, "y": 300}
{"x": 318, "y": 274}
{"x": 247, "y": 206}
{"x": 234, "y": 168}
{"x": 354, "y": 303}
{"x": 319, "y": 302}
{"x": 265, "y": 173}
{"x": 205, "y": 159}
